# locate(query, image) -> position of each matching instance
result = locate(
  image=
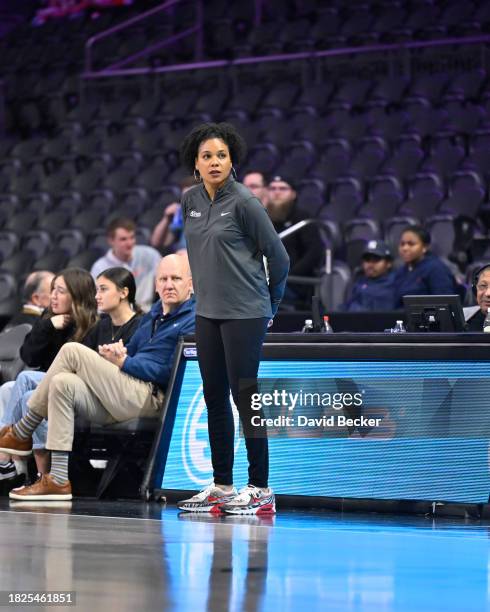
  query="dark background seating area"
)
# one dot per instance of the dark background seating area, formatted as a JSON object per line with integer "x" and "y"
{"x": 374, "y": 140}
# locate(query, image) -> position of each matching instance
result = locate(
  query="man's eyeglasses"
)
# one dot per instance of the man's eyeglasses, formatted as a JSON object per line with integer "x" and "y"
{"x": 481, "y": 287}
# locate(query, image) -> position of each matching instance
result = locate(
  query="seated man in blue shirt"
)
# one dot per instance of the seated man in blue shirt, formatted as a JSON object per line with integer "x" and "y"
{"x": 374, "y": 289}
{"x": 119, "y": 384}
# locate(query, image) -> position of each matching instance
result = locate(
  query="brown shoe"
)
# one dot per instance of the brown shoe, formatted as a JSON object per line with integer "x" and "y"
{"x": 11, "y": 444}
{"x": 45, "y": 488}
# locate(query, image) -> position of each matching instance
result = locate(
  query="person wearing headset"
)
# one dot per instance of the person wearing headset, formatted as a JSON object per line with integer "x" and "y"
{"x": 475, "y": 315}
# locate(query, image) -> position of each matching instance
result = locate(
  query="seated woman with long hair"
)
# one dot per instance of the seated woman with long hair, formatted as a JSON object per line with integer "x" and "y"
{"x": 114, "y": 295}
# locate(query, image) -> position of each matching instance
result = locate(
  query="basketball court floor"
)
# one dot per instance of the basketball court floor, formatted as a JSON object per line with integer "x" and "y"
{"x": 135, "y": 556}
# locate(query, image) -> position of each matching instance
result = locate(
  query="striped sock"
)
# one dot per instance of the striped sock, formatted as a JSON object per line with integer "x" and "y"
{"x": 59, "y": 466}
{"x": 23, "y": 429}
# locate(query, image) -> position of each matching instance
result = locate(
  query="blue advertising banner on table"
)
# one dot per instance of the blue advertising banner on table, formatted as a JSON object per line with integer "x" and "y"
{"x": 430, "y": 441}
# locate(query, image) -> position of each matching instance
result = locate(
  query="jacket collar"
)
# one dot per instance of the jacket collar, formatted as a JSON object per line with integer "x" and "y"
{"x": 157, "y": 309}
{"x": 225, "y": 188}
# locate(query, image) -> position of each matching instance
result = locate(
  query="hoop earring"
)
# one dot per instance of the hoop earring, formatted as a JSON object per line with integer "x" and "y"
{"x": 197, "y": 176}
{"x": 234, "y": 174}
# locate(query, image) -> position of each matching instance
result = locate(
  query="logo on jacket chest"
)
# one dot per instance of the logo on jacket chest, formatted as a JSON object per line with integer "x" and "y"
{"x": 194, "y": 213}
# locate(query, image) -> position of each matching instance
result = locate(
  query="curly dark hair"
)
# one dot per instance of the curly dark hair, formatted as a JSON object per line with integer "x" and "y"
{"x": 224, "y": 131}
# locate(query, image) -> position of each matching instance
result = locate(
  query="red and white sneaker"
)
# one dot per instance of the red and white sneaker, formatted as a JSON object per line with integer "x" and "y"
{"x": 251, "y": 500}
{"x": 209, "y": 499}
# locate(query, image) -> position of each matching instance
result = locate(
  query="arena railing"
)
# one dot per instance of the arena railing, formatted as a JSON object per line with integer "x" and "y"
{"x": 196, "y": 29}
{"x": 397, "y": 55}
{"x": 326, "y": 278}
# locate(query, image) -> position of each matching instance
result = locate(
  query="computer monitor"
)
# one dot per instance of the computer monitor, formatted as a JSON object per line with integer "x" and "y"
{"x": 434, "y": 313}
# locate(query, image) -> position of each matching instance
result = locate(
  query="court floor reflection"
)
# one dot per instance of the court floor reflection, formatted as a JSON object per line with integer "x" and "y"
{"x": 149, "y": 557}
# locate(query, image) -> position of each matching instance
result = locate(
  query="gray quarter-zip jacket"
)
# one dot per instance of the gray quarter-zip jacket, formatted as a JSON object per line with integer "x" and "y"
{"x": 226, "y": 241}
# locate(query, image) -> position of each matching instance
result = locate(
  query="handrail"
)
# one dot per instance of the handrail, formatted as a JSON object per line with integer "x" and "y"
{"x": 327, "y": 277}
{"x": 152, "y": 48}
{"x": 297, "y": 227}
{"x": 304, "y": 55}
{"x": 123, "y": 26}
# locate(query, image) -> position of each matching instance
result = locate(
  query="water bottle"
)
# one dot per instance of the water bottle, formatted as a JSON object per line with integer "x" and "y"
{"x": 308, "y": 327}
{"x": 399, "y": 328}
{"x": 177, "y": 221}
{"x": 327, "y": 328}
{"x": 486, "y": 323}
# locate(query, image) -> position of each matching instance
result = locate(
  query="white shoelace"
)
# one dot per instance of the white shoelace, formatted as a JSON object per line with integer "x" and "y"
{"x": 245, "y": 494}
{"x": 201, "y": 496}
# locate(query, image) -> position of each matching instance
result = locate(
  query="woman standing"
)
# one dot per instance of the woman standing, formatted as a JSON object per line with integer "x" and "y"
{"x": 228, "y": 233}
{"x": 422, "y": 273}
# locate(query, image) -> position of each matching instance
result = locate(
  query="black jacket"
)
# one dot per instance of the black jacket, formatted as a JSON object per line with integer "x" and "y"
{"x": 42, "y": 343}
{"x": 305, "y": 248}
{"x": 475, "y": 323}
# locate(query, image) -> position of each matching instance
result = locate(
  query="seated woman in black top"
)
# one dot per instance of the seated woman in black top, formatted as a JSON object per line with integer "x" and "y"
{"x": 423, "y": 273}
{"x": 116, "y": 301}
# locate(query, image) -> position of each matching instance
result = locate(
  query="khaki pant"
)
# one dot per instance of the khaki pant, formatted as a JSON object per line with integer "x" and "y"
{"x": 80, "y": 381}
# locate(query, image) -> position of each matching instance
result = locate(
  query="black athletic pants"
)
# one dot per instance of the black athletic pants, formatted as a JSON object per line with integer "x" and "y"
{"x": 228, "y": 351}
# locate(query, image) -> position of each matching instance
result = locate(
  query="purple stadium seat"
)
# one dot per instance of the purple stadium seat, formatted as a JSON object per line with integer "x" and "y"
{"x": 18, "y": 263}
{"x": 9, "y": 244}
{"x": 389, "y": 89}
{"x": 371, "y": 152}
{"x": 316, "y": 96}
{"x": 356, "y": 21}
{"x": 384, "y": 197}
{"x": 71, "y": 241}
{"x": 345, "y": 198}
{"x": 298, "y": 159}
{"x": 454, "y": 13}
{"x": 466, "y": 194}
{"x": 352, "y": 126}
{"x": 352, "y": 91}
{"x": 441, "y": 228}
{"x": 37, "y": 242}
{"x": 265, "y": 156}
{"x": 55, "y": 260}
{"x": 389, "y": 16}
{"x": 425, "y": 119}
{"x": 334, "y": 161}
{"x": 326, "y": 26}
{"x": 465, "y": 116}
{"x": 446, "y": 155}
{"x": 468, "y": 83}
{"x": 425, "y": 192}
{"x": 386, "y": 121}
{"x": 361, "y": 228}
{"x": 311, "y": 194}
{"x": 406, "y": 158}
